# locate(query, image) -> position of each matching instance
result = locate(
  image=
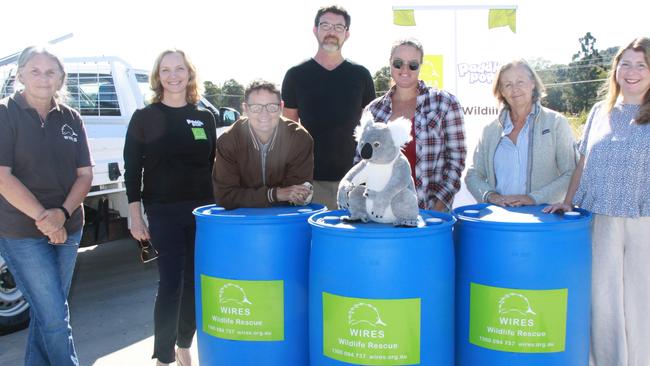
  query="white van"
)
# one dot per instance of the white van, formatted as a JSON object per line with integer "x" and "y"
{"x": 106, "y": 91}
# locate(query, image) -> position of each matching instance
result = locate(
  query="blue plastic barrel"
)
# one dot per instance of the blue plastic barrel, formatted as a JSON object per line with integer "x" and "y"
{"x": 251, "y": 271}
{"x": 381, "y": 295}
{"x": 523, "y": 286}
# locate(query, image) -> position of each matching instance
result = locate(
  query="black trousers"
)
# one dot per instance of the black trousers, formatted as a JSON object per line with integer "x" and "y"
{"x": 172, "y": 228}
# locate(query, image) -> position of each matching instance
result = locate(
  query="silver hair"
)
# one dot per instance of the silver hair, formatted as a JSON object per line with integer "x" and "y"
{"x": 28, "y": 53}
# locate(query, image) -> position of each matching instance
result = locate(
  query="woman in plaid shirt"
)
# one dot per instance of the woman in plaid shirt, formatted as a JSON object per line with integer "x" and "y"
{"x": 437, "y": 153}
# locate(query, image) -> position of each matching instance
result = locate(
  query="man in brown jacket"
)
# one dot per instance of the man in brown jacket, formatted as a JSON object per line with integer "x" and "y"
{"x": 263, "y": 159}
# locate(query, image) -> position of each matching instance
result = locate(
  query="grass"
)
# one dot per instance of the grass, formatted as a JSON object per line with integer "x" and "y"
{"x": 577, "y": 123}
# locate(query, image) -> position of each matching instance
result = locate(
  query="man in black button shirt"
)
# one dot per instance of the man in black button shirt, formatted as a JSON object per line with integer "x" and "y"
{"x": 327, "y": 94}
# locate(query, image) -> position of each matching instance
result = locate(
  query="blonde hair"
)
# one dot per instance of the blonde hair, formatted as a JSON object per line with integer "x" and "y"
{"x": 539, "y": 91}
{"x": 194, "y": 89}
{"x": 28, "y": 53}
{"x": 407, "y": 42}
{"x": 641, "y": 44}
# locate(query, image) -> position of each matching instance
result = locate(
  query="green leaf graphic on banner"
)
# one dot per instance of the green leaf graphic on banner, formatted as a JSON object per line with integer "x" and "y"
{"x": 404, "y": 17}
{"x": 503, "y": 18}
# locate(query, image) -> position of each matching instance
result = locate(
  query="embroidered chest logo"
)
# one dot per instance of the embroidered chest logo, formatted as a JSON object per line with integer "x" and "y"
{"x": 194, "y": 123}
{"x": 68, "y": 133}
{"x": 197, "y": 129}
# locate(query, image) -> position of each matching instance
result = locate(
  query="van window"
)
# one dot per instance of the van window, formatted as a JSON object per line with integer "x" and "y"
{"x": 90, "y": 94}
{"x": 145, "y": 88}
{"x": 93, "y": 94}
{"x": 8, "y": 87}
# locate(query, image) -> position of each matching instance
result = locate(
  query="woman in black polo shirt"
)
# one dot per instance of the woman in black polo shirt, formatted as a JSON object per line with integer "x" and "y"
{"x": 171, "y": 144}
{"x": 45, "y": 173}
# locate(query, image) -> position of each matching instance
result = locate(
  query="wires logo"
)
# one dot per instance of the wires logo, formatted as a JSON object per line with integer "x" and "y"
{"x": 515, "y": 303}
{"x": 233, "y": 294}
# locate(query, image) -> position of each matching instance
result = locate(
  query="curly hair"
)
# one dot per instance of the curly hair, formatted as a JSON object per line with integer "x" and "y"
{"x": 259, "y": 84}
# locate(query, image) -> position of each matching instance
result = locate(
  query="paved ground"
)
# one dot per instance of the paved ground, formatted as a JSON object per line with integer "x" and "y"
{"x": 111, "y": 304}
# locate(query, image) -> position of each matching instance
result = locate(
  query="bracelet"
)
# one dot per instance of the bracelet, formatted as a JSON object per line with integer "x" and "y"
{"x": 65, "y": 212}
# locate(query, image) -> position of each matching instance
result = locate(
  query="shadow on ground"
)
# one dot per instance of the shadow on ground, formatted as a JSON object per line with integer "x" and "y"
{"x": 111, "y": 304}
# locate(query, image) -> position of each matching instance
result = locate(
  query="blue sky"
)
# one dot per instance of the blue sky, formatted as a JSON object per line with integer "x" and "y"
{"x": 246, "y": 39}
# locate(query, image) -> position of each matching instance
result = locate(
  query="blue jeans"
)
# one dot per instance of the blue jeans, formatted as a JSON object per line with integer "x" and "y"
{"x": 43, "y": 273}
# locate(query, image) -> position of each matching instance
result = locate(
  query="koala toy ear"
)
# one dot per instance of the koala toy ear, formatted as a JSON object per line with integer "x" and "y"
{"x": 400, "y": 130}
{"x": 366, "y": 122}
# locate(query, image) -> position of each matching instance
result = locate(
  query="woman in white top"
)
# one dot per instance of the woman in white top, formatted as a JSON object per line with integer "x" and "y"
{"x": 612, "y": 180}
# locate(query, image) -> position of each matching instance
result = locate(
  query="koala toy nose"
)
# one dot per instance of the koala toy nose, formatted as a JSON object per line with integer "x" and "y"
{"x": 366, "y": 151}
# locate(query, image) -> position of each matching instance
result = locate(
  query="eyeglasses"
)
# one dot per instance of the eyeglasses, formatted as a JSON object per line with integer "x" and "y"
{"x": 257, "y": 108}
{"x": 398, "y": 63}
{"x": 339, "y": 28}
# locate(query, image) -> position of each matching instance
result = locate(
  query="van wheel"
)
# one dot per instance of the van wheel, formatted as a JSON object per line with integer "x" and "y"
{"x": 14, "y": 309}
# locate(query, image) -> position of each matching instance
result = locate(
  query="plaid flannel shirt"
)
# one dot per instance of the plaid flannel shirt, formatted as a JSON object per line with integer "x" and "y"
{"x": 439, "y": 142}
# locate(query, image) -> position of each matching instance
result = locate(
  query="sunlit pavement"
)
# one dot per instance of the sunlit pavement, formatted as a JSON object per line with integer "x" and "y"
{"x": 136, "y": 354}
{"x": 111, "y": 304}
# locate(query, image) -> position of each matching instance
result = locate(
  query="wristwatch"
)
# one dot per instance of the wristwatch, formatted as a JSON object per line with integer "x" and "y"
{"x": 65, "y": 212}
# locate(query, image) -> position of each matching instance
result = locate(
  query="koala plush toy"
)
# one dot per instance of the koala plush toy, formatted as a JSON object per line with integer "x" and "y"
{"x": 380, "y": 187}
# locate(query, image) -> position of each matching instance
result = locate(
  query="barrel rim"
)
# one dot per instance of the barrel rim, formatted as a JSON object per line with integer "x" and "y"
{"x": 465, "y": 219}
{"x": 232, "y": 218}
{"x": 447, "y": 223}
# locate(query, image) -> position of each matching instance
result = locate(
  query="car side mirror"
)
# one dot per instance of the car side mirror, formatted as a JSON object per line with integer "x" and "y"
{"x": 229, "y": 115}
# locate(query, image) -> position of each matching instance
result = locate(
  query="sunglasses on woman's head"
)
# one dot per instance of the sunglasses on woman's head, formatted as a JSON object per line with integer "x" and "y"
{"x": 398, "y": 63}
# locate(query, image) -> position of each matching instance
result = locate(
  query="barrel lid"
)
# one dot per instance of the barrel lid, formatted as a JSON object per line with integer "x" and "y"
{"x": 518, "y": 215}
{"x": 286, "y": 212}
{"x": 336, "y": 220}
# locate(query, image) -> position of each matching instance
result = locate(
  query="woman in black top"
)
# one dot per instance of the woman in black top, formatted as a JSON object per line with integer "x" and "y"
{"x": 168, "y": 157}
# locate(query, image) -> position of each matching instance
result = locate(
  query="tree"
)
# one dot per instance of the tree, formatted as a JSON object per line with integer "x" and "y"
{"x": 212, "y": 93}
{"x": 554, "y": 79}
{"x": 607, "y": 55}
{"x": 584, "y": 73}
{"x": 232, "y": 94}
{"x": 575, "y": 87}
{"x": 382, "y": 80}
{"x": 539, "y": 63}
{"x": 588, "y": 49}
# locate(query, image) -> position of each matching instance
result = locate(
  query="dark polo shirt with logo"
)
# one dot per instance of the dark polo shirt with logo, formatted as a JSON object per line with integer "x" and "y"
{"x": 44, "y": 157}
